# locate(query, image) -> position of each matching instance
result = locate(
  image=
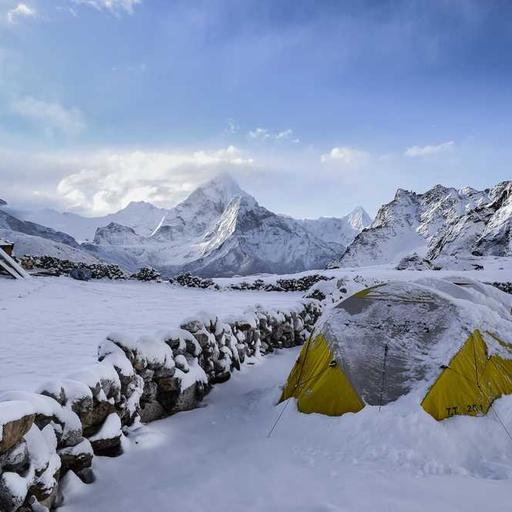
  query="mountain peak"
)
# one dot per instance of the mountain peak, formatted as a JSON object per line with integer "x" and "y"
{"x": 221, "y": 189}
{"x": 222, "y": 183}
{"x": 359, "y": 218}
{"x": 402, "y": 193}
{"x": 138, "y": 205}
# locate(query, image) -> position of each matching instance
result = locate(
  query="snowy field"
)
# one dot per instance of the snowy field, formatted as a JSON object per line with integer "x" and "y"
{"x": 494, "y": 269}
{"x": 53, "y": 326}
{"x": 219, "y": 458}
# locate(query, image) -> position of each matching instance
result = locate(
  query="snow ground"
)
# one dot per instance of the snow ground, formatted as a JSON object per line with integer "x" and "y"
{"x": 219, "y": 458}
{"x": 53, "y": 326}
{"x": 495, "y": 269}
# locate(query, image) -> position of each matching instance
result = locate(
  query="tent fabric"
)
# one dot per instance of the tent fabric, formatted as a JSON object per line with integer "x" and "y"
{"x": 319, "y": 384}
{"x": 434, "y": 337}
{"x": 471, "y": 382}
{"x": 407, "y": 319}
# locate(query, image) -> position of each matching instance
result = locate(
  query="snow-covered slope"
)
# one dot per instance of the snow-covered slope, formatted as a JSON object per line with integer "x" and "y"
{"x": 221, "y": 230}
{"x": 10, "y": 223}
{"x": 248, "y": 239}
{"x": 37, "y": 240}
{"x": 441, "y": 223}
{"x": 37, "y": 246}
{"x": 338, "y": 232}
{"x": 143, "y": 217}
{"x": 483, "y": 230}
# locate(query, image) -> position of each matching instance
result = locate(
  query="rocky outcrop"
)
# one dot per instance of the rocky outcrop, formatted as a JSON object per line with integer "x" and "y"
{"x": 67, "y": 422}
{"x": 441, "y": 223}
{"x": 416, "y": 262}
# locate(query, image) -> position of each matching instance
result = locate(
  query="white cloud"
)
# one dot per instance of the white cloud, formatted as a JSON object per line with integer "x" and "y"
{"x": 20, "y": 11}
{"x": 50, "y": 116}
{"x": 345, "y": 156}
{"x": 106, "y": 182}
{"x": 114, "y": 6}
{"x": 416, "y": 151}
{"x": 262, "y": 134}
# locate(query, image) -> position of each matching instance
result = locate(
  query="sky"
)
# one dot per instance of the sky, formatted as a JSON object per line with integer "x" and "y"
{"x": 315, "y": 107}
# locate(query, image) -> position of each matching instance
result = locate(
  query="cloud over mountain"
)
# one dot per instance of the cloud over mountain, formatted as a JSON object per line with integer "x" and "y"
{"x": 109, "y": 181}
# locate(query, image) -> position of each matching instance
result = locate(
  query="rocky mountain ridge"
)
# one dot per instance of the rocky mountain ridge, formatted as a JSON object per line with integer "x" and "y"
{"x": 441, "y": 223}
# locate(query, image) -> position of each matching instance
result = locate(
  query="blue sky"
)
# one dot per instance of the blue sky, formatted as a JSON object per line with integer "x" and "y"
{"x": 314, "y": 106}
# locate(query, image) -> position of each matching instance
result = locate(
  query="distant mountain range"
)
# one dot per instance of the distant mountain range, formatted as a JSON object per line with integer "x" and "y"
{"x": 439, "y": 224}
{"x": 221, "y": 230}
{"x": 218, "y": 230}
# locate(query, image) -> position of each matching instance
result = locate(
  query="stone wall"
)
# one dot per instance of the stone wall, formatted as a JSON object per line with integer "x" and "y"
{"x": 295, "y": 284}
{"x": 62, "y": 426}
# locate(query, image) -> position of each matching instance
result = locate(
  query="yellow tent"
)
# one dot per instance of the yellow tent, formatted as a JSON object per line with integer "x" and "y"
{"x": 319, "y": 384}
{"x": 382, "y": 342}
{"x": 472, "y": 380}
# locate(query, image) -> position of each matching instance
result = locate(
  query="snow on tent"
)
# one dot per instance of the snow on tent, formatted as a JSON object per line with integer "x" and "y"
{"x": 443, "y": 339}
{"x": 7, "y": 262}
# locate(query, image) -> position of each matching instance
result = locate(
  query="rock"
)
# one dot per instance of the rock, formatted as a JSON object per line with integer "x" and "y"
{"x": 15, "y": 459}
{"x": 57, "y": 267}
{"x": 13, "y": 491}
{"x": 16, "y": 419}
{"x": 504, "y": 286}
{"x": 146, "y": 274}
{"x": 81, "y": 274}
{"x": 416, "y": 262}
{"x": 45, "y": 463}
{"x": 190, "y": 281}
{"x": 64, "y": 422}
{"x": 77, "y": 458}
{"x": 301, "y": 284}
{"x": 107, "y": 440}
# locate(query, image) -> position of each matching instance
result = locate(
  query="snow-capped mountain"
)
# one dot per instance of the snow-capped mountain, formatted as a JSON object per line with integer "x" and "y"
{"x": 221, "y": 230}
{"x": 141, "y": 216}
{"x": 442, "y": 222}
{"x": 338, "y": 232}
{"x": 33, "y": 238}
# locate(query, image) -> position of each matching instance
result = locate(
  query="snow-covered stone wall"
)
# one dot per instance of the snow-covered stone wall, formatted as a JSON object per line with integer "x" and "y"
{"x": 45, "y": 435}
